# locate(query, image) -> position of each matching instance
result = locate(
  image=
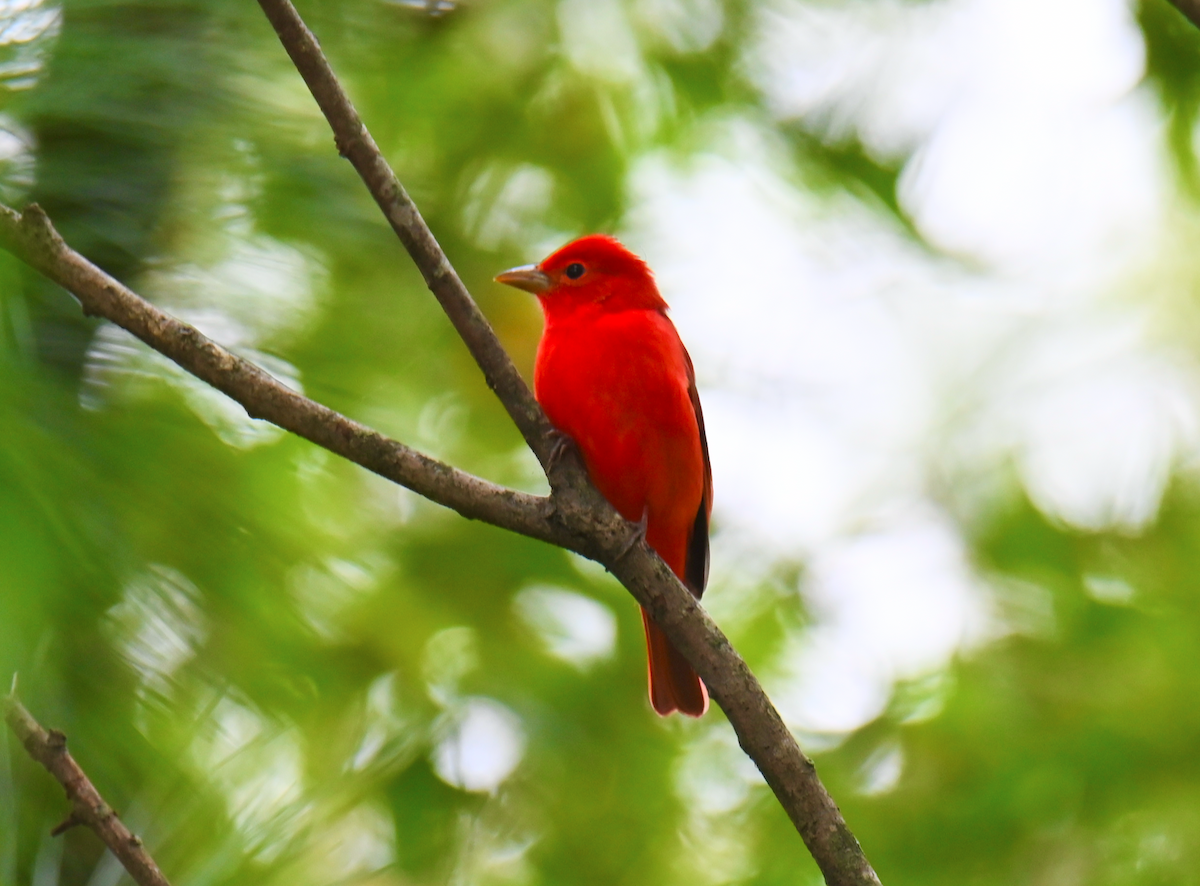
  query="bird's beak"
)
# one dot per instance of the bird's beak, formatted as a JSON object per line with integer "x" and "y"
{"x": 527, "y": 277}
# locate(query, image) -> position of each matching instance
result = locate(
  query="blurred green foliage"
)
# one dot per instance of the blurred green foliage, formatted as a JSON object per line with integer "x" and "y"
{"x": 257, "y": 650}
{"x": 1171, "y": 46}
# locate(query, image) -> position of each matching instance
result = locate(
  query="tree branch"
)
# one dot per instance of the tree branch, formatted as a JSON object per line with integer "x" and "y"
{"x": 87, "y": 806}
{"x": 575, "y": 516}
{"x": 31, "y": 236}
{"x": 355, "y": 143}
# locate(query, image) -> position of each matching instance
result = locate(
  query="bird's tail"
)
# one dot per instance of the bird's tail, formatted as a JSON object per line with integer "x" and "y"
{"x": 674, "y": 686}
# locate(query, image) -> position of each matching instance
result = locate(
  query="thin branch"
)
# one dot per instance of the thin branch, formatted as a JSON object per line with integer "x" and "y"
{"x": 1190, "y": 9}
{"x": 355, "y": 143}
{"x": 31, "y": 236}
{"x": 575, "y": 516}
{"x": 87, "y": 806}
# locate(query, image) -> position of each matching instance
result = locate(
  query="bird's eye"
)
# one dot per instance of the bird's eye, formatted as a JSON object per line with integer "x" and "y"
{"x": 575, "y": 270}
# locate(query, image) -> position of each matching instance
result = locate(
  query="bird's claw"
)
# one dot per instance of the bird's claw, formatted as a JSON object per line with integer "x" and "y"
{"x": 558, "y": 448}
{"x": 639, "y": 534}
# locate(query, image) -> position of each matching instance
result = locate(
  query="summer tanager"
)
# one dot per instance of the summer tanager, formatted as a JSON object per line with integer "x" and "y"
{"x": 612, "y": 374}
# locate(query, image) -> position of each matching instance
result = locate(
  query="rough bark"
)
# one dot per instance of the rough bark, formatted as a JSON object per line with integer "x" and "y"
{"x": 87, "y": 806}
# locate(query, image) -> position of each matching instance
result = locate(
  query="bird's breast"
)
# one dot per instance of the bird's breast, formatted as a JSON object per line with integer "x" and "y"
{"x": 618, "y": 386}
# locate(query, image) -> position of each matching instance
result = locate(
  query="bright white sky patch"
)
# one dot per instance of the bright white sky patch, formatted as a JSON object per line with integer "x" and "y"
{"x": 359, "y": 842}
{"x": 859, "y": 390}
{"x": 1098, "y": 448}
{"x": 326, "y": 592}
{"x": 577, "y": 629}
{"x": 158, "y": 625}
{"x": 882, "y": 770}
{"x": 28, "y": 30}
{"x": 683, "y": 25}
{"x": 597, "y": 39}
{"x": 258, "y": 294}
{"x": 889, "y": 603}
{"x": 258, "y": 765}
{"x": 482, "y": 744}
{"x": 1029, "y": 151}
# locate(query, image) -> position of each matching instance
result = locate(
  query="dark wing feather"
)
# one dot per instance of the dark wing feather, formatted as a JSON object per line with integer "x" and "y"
{"x": 696, "y": 565}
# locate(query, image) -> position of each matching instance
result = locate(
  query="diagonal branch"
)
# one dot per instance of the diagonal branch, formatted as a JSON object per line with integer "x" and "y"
{"x": 355, "y": 143}
{"x": 87, "y": 806}
{"x": 32, "y": 237}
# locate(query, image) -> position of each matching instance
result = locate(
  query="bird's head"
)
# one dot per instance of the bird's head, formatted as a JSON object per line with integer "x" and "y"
{"x": 593, "y": 270}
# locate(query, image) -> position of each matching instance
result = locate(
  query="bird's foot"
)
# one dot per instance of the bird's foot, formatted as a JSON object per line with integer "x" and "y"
{"x": 639, "y": 534}
{"x": 559, "y": 445}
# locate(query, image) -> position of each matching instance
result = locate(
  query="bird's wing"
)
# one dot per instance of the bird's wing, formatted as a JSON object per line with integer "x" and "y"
{"x": 696, "y": 565}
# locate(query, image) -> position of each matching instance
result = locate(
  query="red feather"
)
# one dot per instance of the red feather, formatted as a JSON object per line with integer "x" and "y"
{"x": 613, "y": 375}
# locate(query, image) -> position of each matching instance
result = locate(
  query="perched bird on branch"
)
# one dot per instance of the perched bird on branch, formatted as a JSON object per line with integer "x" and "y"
{"x": 612, "y": 374}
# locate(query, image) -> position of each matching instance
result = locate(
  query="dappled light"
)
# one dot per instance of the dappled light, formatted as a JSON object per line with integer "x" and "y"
{"x": 934, "y": 264}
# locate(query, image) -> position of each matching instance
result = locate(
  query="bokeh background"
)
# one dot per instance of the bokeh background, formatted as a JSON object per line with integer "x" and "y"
{"x": 936, "y": 264}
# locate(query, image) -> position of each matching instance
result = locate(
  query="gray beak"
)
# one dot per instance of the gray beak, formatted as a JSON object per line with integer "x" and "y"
{"x": 527, "y": 277}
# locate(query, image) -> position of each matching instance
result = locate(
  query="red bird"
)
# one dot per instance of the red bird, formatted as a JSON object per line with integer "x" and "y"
{"x": 612, "y": 374}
